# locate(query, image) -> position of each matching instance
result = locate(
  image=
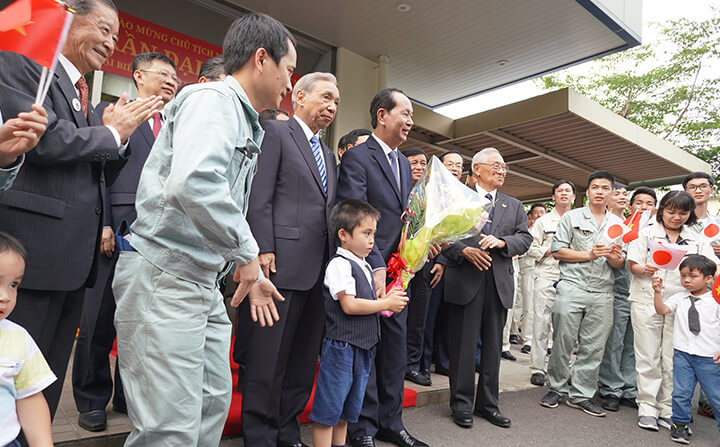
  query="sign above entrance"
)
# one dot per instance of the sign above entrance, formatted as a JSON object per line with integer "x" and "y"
{"x": 140, "y": 36}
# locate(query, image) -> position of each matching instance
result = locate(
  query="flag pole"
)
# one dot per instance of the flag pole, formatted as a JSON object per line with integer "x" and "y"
{"x": 40, "y": 96}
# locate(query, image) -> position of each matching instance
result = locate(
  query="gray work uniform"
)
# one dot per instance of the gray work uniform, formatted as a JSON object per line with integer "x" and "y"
{"x": 172, "y": 326}
{"x": 583, "y": 307}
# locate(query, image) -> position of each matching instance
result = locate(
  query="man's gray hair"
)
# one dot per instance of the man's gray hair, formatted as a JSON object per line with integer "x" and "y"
{"x": 482, "y": 156}
{"x": 307, "y": 82}
{"x": 82, "y": 7}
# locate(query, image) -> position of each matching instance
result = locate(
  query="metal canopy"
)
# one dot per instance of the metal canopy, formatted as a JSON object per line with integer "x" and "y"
{"x": 559, "y": 135}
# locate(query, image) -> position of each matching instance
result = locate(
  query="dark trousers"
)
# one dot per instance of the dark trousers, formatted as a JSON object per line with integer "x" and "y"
{"x": 437, "y": 333}
{"x": 485, "y": 315}
{"x": 91, "y": 377}
{"x": 280, "y": 368}
{"x": 382, "y": 406}
{"x": 418, "y": 307}
{"x": 52, "y": 319}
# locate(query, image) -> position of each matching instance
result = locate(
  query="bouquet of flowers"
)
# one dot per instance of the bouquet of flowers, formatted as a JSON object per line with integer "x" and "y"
{"x": 440, "y": 210}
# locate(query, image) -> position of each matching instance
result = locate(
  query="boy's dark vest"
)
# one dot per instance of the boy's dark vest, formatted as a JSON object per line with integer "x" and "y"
{"x": 362, "y": 331}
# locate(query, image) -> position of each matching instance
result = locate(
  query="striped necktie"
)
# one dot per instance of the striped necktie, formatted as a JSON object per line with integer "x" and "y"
{"x": 319, "y": 159}
{"x": 491, "y": 214}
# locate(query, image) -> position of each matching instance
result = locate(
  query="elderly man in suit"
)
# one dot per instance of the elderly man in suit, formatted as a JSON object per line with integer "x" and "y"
{"x": 378, "y": 173}
{"x": 154, "y": 75}
{"x": 479, "y": 289}
{"x": 292, "y": 195}
{"x": 55, "y": 206}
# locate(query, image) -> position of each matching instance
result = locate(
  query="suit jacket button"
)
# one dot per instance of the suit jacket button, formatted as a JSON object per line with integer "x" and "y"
{"x": 98, "y": 210}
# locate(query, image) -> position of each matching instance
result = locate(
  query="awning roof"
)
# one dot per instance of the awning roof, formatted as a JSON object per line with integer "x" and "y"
{"x": 559, "y": 135}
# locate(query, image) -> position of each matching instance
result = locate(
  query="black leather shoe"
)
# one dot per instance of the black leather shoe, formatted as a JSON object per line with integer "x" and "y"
{"x": 462, "y": 418}
{"x": 442, "y": 371}
{"x": 495, "y": 418}
{"x": 418, "y": 377}
{"x": 93, "y": 420}
{"x": 362, "y": 441}
{"x": 514, "y": 339}
{"x": 507, "y": 355}
{"x": 526, "y": 349}
{"x": 400, "y": 438}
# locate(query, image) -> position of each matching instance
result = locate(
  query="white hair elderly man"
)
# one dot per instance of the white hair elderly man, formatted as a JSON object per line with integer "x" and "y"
{"x": 290, "y": 203}
{"x": 479, "y": 291}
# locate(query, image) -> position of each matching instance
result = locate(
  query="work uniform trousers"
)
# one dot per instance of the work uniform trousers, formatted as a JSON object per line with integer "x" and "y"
{"x": 543, "y": 301}
{"x": 510, "y": 327}
{"x": 173, "y": 344}
{"x": 653, "y": 359}
{"x": 617, "y": 370}
{"x": 522, "y": 312}
{"x": 586, "y": 317}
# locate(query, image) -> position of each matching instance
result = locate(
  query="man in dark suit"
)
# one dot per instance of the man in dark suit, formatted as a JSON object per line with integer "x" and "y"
{"x": 154, "y": 75}
{"x": 289, "y": 210}
{"x": 378, "y": 173}
{"x": 55, "y": 206}
{"x": 479, "y": 288}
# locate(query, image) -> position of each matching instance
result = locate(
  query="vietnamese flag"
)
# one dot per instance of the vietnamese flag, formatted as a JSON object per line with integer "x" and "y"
{"x": 716, "y": 289}
{"x": 36, "y": 29}
{"x": 666, "y": 256}
{"x": 636, "y": 222}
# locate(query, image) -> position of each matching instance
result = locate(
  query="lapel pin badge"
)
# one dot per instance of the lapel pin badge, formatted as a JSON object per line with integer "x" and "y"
{"x": 503, "y": 205}
{"x": 76, "y": 104}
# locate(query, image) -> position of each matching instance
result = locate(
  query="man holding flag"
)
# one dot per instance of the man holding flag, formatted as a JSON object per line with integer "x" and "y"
{"x": 55, "y": 206}
{"x": 617, "y": 378}
{"x": 18, "y": 136}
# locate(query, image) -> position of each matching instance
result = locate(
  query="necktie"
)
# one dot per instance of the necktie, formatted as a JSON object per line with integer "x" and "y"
{"x": 488, "y": 224}
{"x": 84, "y": 91}
{"x": 317, "y": 153}
{"x": 157, "y": 123}
{"x": 394, "y": 166}
{"x": 693, "y": 316}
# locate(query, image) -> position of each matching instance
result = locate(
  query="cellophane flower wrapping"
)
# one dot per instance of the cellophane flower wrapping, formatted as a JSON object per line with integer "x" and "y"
{"x": 440, "y": 210}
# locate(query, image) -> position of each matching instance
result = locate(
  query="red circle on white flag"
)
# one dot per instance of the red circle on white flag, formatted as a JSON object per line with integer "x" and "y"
{"x": 711, "y": 230}
{"x": 615, "y": 231}
{"x": 661, "y": 257}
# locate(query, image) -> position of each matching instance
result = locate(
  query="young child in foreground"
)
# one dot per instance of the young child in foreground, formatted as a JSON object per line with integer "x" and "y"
{"x": 24, "y": 373}
{"x": 352, "y": 328}
{"x": 696, "y": 340}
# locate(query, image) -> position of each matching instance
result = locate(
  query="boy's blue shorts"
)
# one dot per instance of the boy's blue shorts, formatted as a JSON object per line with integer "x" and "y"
{"x": 341, "y": 382}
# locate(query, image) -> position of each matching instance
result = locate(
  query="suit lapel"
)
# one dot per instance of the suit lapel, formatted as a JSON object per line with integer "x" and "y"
{"x": 147, "y": 134}
{"x": 68, "y": 90}
{"x": 303, "y": 145}
{"x": 501, "y": 204}
{"x": 384, "y": 164}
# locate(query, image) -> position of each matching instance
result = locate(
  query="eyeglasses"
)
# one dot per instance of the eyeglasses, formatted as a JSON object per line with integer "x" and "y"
{"x": 164, "y": 74}
{"x": 703, "y": 187}
{"x": 497, "y": 167}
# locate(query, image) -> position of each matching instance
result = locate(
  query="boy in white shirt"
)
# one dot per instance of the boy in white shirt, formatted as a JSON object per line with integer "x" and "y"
{"x": 352, "y": 328}
{"x": 24, "y": 373}
{"x": 696, "y": 340}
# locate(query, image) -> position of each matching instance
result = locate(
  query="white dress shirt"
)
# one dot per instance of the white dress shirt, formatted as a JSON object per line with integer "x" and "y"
{"x": 483, "y": 193}
{"x": 338, "y": 274}
{"x": 707, "y": 342}
{"x": 387, "y": 150}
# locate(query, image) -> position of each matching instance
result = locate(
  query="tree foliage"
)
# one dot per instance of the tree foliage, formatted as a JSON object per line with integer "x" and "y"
{"x": 670, "y": 87}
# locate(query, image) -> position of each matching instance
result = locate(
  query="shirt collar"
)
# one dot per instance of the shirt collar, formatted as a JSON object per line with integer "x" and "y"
{"x": 305, "y": 128}
{"x": 705, "y": 296}
{"x": 483, "y": 193}
{"x": 72, "y": 72}
{"x": 351, "y": 255}
{"x": 387, "y": 149}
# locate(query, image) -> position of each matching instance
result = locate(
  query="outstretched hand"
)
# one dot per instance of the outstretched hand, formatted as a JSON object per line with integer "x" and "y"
{"x": 262, "y": 304}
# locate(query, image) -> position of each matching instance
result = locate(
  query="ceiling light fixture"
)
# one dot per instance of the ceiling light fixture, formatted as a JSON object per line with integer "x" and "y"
{"x": 503, "y": 62}
{"x": 403, "y": 7}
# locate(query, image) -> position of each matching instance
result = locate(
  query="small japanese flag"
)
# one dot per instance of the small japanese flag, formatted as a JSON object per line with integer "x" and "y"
{"x": 615, "y": 229}
{"x": 666, "y": 256}
{"x": 711, "y": 231}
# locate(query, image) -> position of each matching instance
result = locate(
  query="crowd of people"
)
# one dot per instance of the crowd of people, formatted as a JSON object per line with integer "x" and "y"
{"x": 129, "y": 220}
